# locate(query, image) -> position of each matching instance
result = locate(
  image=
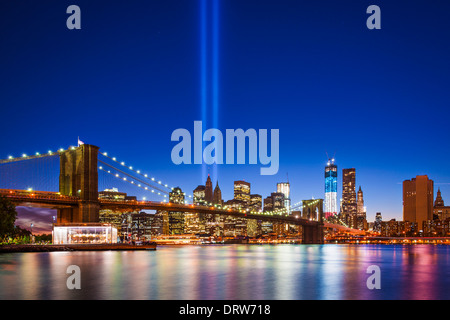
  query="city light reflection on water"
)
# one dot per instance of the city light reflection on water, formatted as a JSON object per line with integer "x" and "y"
{"x": 254, "y": 272}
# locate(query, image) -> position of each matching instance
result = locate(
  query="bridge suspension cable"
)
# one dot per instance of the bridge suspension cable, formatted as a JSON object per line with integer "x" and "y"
{"x": 131, "y": 168}
{"x": 25, "y": 156}
{"x": 132, "y": 177}
{"x": 122, "y": 178}
{"x": 23, "y": 174}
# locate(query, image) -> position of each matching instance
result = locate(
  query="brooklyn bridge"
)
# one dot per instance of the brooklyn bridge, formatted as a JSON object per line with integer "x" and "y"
{"x": 77, "y": 200}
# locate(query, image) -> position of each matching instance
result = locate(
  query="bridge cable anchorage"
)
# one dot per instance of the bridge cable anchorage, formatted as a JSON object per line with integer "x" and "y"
{"x": 105, "y": 154}
{"x": 131, "y": 177}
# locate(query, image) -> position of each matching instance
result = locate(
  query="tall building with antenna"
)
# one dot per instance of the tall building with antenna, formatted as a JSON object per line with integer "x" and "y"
{"x": 331, "y": 207}
{"x": 285, "y": 188}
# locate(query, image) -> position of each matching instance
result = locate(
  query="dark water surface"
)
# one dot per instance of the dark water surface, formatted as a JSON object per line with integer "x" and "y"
{"x": 254, "y": 272}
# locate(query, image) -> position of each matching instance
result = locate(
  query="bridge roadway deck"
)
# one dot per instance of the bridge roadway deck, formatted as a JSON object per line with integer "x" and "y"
{"x": 31, "y": 198}
{"x": 172, "y": 207}
{"x": 55, "y": 200}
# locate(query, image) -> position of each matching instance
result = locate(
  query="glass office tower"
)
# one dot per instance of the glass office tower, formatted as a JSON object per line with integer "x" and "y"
{"x": 330, "y": 189}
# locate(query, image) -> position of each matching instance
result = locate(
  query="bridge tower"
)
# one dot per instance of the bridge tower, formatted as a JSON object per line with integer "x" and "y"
{"x": 313, "y": 234}
{"x": 79, "y": 177}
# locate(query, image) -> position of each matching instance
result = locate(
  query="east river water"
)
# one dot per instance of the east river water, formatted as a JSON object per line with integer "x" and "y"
{"x": 236, "y": 272}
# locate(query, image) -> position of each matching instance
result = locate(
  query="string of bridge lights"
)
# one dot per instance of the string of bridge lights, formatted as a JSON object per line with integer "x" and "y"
{"x": 132, "y": 177}
{"x": 286, "y": 210}
{"x": 131, "y": 168}
{"x": 271, "y": 213}
{"x": 146, "y": 188}
{"x": 25, "y": 156}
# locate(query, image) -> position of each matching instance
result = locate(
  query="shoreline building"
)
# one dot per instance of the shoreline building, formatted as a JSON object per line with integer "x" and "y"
{"x": 330, "y": 189}
{"x": 138, "y": 226}
{"x": 115, "y": 217}
{"x": 418, "y": 200}
{"x": 176, "y": 219}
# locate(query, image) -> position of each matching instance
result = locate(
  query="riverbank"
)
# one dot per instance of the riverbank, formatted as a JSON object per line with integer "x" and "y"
{"x": 74, "y": 247}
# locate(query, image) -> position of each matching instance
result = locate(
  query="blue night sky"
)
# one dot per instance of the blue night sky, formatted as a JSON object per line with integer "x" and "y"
{"x": 138, "y": 70}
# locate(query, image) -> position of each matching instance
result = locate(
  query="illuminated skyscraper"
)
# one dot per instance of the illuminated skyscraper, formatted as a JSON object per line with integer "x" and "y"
{"x": 194, "y": 222}
{"x": 330, "y": 189}
{"x": 176, "y": 219}
{"x": 209, "y": 191}
{"x": 349, "y": 208}
{"x": 199, "y": 196}
{"x": 360, "y": 202}
{"x": 440, "y": 211}
{"x": 242, "y": 192}
{"x": 217, "y": 196}
{"x": 274, "y": 202}
{"x": 268, "y": 204}
{"x": 278, "y": 200}
{"x": 176, "y": 196}
{"x": 377, "y": 222}
{"x": 360, "y": 211}
{"x": 255, "y": 202}
{"x": 439, "y": 202}
{"x": 418, "y": 200}
{"x": 284, "y": 188}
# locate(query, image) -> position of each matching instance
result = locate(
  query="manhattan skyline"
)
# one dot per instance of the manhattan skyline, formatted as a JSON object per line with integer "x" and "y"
{"x": 377, "y": 99}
